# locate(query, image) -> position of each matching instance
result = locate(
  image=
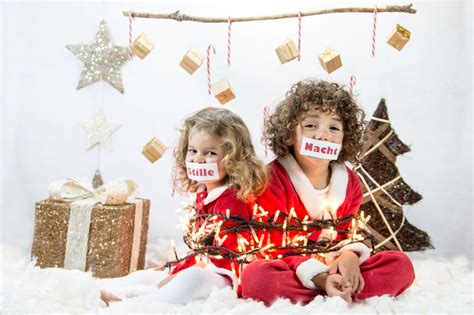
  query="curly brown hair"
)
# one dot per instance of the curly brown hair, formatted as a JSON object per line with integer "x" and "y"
{"x": 246, "y": 174}
{"x": 328, "y": 97}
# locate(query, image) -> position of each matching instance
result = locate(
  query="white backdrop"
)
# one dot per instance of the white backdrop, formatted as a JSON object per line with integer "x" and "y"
{"x": 428, "y": 88}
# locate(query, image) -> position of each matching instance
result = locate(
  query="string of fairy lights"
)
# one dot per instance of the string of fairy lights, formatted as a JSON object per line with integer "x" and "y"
{"x": 205, "y": 235}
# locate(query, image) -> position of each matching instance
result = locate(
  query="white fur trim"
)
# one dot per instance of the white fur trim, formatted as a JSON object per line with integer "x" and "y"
{"x": 214, "y": 194}
{"x": 307, "y": 270}
{"x": 306, "y": 191}
{"x": 223, "y": 272}
{"x": 359, "y": 248}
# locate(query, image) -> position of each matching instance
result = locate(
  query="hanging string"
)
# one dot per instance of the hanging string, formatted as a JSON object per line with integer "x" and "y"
{"x": 229, "y": 23}
{"x": 98, "y": 156}
{"x": 130, "y": 20}
{"x": 373, "y": 33}
{"x": 299, "y": 35}
{"x": 266, "y": 116}
{"x": 102, "y": 99}
{"x": 352, "y": 82}
{"x": 209, "y": 66}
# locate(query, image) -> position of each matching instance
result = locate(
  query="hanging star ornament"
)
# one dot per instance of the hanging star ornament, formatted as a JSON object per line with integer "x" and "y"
{"x": 102, "y": 60}
{"x": 99, "y": 131}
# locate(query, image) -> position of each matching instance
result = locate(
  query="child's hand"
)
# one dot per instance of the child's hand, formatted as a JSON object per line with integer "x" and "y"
{"x": 335, "y": 287}
{"x": 347, "y": 264}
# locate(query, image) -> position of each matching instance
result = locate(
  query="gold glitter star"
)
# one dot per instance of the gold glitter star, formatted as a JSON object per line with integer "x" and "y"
{"x": 99, "y": 131}
{"x": 102, "y": 60}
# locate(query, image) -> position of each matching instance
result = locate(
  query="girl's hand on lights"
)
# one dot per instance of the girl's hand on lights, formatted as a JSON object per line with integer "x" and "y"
{"x": 347, "y": 265}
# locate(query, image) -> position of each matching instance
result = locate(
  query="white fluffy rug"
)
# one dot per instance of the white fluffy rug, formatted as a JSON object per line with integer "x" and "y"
{"x": 442, "y": 286}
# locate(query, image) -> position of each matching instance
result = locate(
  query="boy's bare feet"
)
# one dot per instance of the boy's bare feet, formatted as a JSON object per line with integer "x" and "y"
{"x": 108, "y": 297}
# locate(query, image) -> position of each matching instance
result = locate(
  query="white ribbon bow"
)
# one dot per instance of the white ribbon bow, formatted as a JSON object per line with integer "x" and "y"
{"x": 115, "y": 192}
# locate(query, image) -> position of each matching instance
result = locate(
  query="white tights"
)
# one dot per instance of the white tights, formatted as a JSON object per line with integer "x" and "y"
{"x": 188, "y": 285}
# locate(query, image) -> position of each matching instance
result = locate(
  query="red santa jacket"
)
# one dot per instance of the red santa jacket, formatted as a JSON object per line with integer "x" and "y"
{"x": 218, "y": 201}
{"x": 289, "y": 188}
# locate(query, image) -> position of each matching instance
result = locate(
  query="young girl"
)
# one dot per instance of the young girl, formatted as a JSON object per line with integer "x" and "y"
{"x": 220, "y": 137}
{"x": 216, "y": 161}
{"x": 313, "y": 131}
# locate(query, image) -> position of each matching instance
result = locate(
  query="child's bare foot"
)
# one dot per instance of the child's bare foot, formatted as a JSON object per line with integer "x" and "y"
{"x": 108, "y": 297}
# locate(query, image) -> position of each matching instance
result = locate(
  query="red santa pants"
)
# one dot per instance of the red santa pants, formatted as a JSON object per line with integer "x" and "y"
{"x": 387, "y": 272}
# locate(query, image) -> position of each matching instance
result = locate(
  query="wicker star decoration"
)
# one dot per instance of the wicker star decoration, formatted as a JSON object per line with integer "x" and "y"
{"x": 99, "y": 131}
{"x": 102, "y": 60}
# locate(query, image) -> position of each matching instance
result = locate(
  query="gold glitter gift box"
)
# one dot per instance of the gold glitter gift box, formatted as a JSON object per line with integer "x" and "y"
{"x": 112, "y": 246}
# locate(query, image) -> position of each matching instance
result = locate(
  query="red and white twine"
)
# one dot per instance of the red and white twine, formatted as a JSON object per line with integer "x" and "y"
{"x": 229, "y": 23}
{"x": 299, "y": 35}
{"x": 266, "y": 116}
{"x": 352, "y": 82}
{"x": 130, "y": 19}
{"x": 374, "y": 31}
{"x": 209, "y": 66}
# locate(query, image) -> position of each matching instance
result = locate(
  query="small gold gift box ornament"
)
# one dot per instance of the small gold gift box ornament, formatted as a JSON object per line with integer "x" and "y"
{"x": 154, "y": 150}
{"x": 223, "y": 91}
{"x": 191, "y": 61}
{"x": 330, "y": 60}
{"x": 398, "y": 37}
{"x": 142, "y": 45}
{"x": 287, "y": 51}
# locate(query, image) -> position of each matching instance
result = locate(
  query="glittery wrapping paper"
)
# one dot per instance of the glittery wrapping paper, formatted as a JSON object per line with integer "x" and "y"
{"x": 110, "y": 237}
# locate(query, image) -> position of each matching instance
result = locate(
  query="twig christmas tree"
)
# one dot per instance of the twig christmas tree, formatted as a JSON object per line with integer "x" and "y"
{"x": 385, "y": 191}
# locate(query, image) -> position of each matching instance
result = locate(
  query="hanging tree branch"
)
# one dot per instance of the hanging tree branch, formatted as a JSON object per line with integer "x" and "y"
{"x": 178, "y": 16}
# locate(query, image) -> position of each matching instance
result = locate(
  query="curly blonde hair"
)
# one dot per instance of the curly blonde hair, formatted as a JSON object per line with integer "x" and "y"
{"x": 246, "y": 174}
{"x": 328, "y": 97}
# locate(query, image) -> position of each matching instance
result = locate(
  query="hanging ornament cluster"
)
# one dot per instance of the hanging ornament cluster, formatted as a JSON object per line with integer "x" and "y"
{"x": 398, "y": 37}
{"x": 102, "y": 60}
{"x": 385, "y": 191}
{"x": 154, "y": 150}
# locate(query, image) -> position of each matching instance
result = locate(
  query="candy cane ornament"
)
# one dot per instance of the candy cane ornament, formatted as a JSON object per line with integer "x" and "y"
{"x": 130, "y": 20}
{"x": 352, "y": 82}
{"x": 229, "y": 23}
{"x": 209, "y": 66}
{"x": 374, "y": 31}
{"x": 299, "y": 35}
{"x": 266, "y": 117}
